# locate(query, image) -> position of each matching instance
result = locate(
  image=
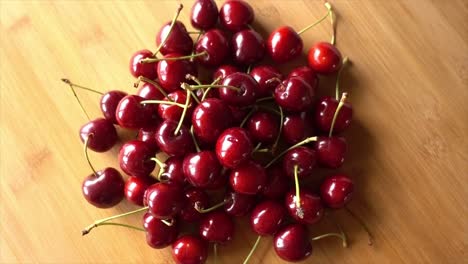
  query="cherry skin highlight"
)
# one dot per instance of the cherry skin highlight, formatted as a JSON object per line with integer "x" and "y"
{"x": 105, "y": 189}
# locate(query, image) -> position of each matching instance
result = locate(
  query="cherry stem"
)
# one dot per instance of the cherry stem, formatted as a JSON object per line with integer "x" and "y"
{"x": 194, "y": 96}
{"x": 67, "y": 81}
{"x": 252, "y": 250}
{"x": 197, "y": 147}
{"x": 337, "y": 86}
{"x": 264, "y": 99}
{"x": 168, "y": 222}
{"x": 205, "y": 93}
{"x": 193, "y": 78}
{"x": 215, "y": 252}
{"x": 249, "y": 114}
{"x": 299, "y": 210}
{"x": 161, "y": 166}
{"x": 257, "y": 147}
{"x": 332, "y": 22}
{"x": 338, "y": 108}
{"x": 214, "y": 207}
{"x": 194, "y": 87}
{"x": 249, "y": 69}
{"x": 184, "y": 111}
{"x": 341, "y": 235}
{"x": 170, "y": 29}
{"x": 364, "y": 226}
{"x": 144, "y": 79}
{"x": 329, "y": 11}
{"x": 123, "y": 225}
{"x": 194, "y": 32}
{"x": 151, "y": 60}
{"x": 162, "y": 102}
{"x": 76, "y": 96}
{"x": 86, "y": 153}
{"x": 200, "y": 33}
{"x": 275, "y": 145}
{"x": 303, "y": 142}
{"x": 104, "y": 220}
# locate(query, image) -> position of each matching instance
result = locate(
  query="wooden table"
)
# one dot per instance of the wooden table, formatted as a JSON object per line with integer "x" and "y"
{"x": 408, "y": 148}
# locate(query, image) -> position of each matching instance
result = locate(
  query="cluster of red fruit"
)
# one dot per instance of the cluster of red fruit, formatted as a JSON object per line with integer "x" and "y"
{"x": 219, "y": 134}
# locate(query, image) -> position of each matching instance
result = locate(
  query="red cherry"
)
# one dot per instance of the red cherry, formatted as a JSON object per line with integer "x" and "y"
{"x": 267, "y": 217}
{"x": 171, "y": 73}
{"x": 233, "y": 147}
{"x": 135, "y": 188}
{"x": 131, "y": 114}
{"x": 138, "y": 69}
{"x": 238, "y": 204}
{"x": 263, "y": 126}
{"x": 284, "y": 44}
{"x": 158, "y": 234}
{"x": 174, "y": 112}
{"x": 216, "y": 45}
{"x": 204, "y": 14}
{"x": 248, "y": 178}
{"x": 149, "y": 91}
{"x": 303, "y": 157}
{"x": 310, "y": 210}
{"x": 189, "y": 249}
{"x": 336, "y": 191}
{"x": 236, "y": 15}
{"x": 248, "y": 47}
{"x": 147, "y": 135}
{"x": 267, "y": 78}
{"x": 245, "y": 94}
{"x": 109, "y": 103}
{"x": 297, "y": 127}
{"x": 174, "y": 145}
{"x": 277, "y": 184}
{"x": 325, "y": 111}
{"x": 105, "y": 189}
{"x": 324, "y": 58}
{"x": 201, "y": 169}
{"x": 195, "y": 197}
{"x": 306, "y": 73}
{"x": 292, "y": 243}
{"x": 238, "y": 114}
{"x": 135, "y": 158}
{"x": 331, "y": 151}
{"x": 219, "y": 182}
{"x": 294, "y": 95}
{"x": 165, "y": 200}
{"x": 223, "y": 71}
{"x": 209, "y": 119}
{"x": 173, "y": 172}
{"x": 217, "y": 227}
{"x": 101, "y": 133}
{"x": 178, "y": 41}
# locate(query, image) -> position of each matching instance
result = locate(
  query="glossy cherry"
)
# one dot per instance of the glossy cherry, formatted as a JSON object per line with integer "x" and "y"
{"x": 277, "y": 184}
{"x": 236, "y": 15}
{"x": 336, "y": 191}
{"x": 217, "y": 227}
{"x": 238, "y": 204}
{"x": 101, "y": 133}
{"x": 147, "y": 135}
{"x": 248, "y": 47}
{"x": 297, "y": 126}
{"x": 284, "y": 44}
{"x": 171, "y": 73}
{"x": 209, "y": 119}
{"x": 174, "y": 145}
{"x": 223, "y": 71}
{"x": 174, "y": 112}
{"x": 331, "y": 151}
{"x": 325, "y": 110}
{"x": 306, "y": 73}
{"x": 131, "y": 114}
{"x": 292, "y": 243}
{"x": 248, "y": 178}
{"x": 105, "y": 189}
{"x": 178, "y": 41}
{"x": 194, "y": 197}
{"x": 135, "y": 188}
{"x": 204, "y": 14}
{"x": 233, "y": 147}
{"x": 324, "y": 58}
{"x": 158, "y": 234}
{"x": 303, "y": 157}
{"x": 216, "y": 45}
{"x": 219, "y": 182}
{"x": 246, "y": 94}
{"x": 310, "y": 210}
{"x": 165, "y": 200}
{"x": 109, "y": 103}
{"x": 202, "y": 168}
{"x": 267, "y": 217}
{"x": 173, "y": 172}
{"x": 189, "y": 249}
{"x": 149, "y": 91}
{"x": 294, "y": 95}
{"x": 267, "y": 77}
{"x": 263, "y": 126}
{"x": 138, "y": 69}
{"x": 135, "y": 158}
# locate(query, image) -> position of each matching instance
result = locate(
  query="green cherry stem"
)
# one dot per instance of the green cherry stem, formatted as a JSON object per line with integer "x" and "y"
{"x": 207, "y": 210}
{"x": 184, "y": 111}
{"x": 337, "y": 86}
{"x": 194, "y": 32}
{"x": 161, "y": 165}
{"x": 249, "y": 114}
{"x": 205, "y": 93}
{"x": 162, "y": 102}
{"x": 197, "y": 147}
{"x": 195, "y": 87}
{"x": 215, "y": 253}
{"x": 332, "y": 22}
{"x": 76, "y": 96}
{"x": 275, "y": 145}
{"x": 370, "y": 238}
{"x": 339, "y": 235}
{"x": 151, "y": 60}
{"x": 163, "y": 42}
{"x": 144, "y": 79}
{"x": 264, "y": 99}
{"x": 257, "y": 147}
{"x": 123, "y": 225}
{"x": 192, "y": 94}
{"x": 67, "y": 81}
{"x": 169, "y": 222}
{"x": 104, "y": 220}
{"x": 299, "y": 212}
{"x": 338, "y": 108}
{"x": 193, "y": 78}
{"x": 329, "y": 11}
{"x": 303, "y": 142}
{"x": 85, "y": 149}
{"x": 200, "y": 33}
{"x": 252, "y": 250}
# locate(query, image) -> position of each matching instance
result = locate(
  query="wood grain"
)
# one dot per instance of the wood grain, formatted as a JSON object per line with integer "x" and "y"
{"x": 408, "y": 143}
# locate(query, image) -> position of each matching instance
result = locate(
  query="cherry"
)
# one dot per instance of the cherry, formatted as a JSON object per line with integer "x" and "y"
{"x": 209, "y": 119}
{"x": 223, "y": 71}
{"x": 306, "y": 73}
{"x": 304, "y": 158}
{"x": 244, "y": 95}
{"x": 324, "y": 58}
{"x": 248, "y": 47}
{"x": 217, "y": 227}
{"x": 263, "y": 126}
{"x": 204, "y": 14}
{"x": 174, "y": 144}
{"x": 101, "y": 134}
{"x": 297, "y": 127}
{"x": 216, "y": 45}
{"x": 277, "y": 184}
{"x": 195, "y": 197}
{"x": 325, "y": 112}
{"x": 173, "y": 171}
{"x": 238, "y": 204}
{"x": 236, "y": 15}
{"x": 151, "y": 91}
{"x": 177, "y": 40}
{"x": 248, "y": 178}
{"x": 233, "y": 147}
{"x": 238, "y": 114}
{"x": 109, "y": 103}
{"x": 158, "y": 234}
{"x": 336, "y": 191}
{"x": 267, "y": 217}
{"x": 267, "y": 77}
{"x": 147, "y": 135}
{"x": 132, "y": 114}
{"x": 310, "y": 209}
{"x": 202, "y": 168}
{"x": 292, "y": 243}
{"x": 135, "y": 188}
{"x": 294, "y": 94}
{"x": 104, "y": 188}
{"x": 165, "y": 200}
{"x": 331, "y": 151}
{"x": 173, "y": 112}
{"x": 173, "y": 72}
{"x": 189, "y": 249}
{"x": 138, "y": 69}
{"x": 135, "y": 158}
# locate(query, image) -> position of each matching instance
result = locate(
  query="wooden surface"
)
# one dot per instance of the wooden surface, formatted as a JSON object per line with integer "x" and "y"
{"x": 408, "y": 142}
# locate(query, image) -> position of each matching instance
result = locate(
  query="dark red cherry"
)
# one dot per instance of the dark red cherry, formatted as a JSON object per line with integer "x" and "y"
{"x": 131, "y": 114}
{"x": 209, "y": 119}
{"x": 294, "y": 95}
{"x": 105, "y": 189}
{"x": 135, "y": 188}
{"x": 178, "y": 41}
{"x": 310, "y": 206}
{"x": 171, "y": 73}
{"x": 135, "y": 158}
{"x": 238, "y": 204}
{"x": 297, "y": 127}
{"x": 219, "y": 182}
{"x": 263, "y": 126}
{"x": 248, "y": 178}
{"x": 204, "y": 14}
{"x": 267, "y": 217}
{"x": 101, "y": 133}
{"x": 284, "y": 44}
{"x": 331, "y": 151}
{"x": 236, "y": 15}
{"x": 325, "y": 110}
{"x": 150, "y": 92}
{"x": 174, "y": 112}
{"x": 109, "y": 103}
{"x": 165, "y": 200}
{"x": 238, "y": 114}
{"x": 174, "y": 172}
{"x": 223, "y": 71}
{"x": 158, "y": 234}
{"x": 324, "y": 58}
{"x": 267, "y": 78}
{"x": 306, "y": 73}
{"x": 233, "y": 147}
{"x": 292, "y": 243}
{"x": 215, "y": 43}
{"x": 138, "y": 69}
{"x": 217, "y": 227}
{"x": 277, "y": 184}
{"x": 248, "y": 47}
{"x": 304, "y": 157}
{"x": 336, "y": 191}
{"x": 202, "y": 168}
{"x": 194, "y": 197}
{"x": 212, "y": 93}
{"x": 174, "y": 145}
{"x": 189, "y": 249}
{"x": 147, "y": 135}
{"x": 246, "y": 94}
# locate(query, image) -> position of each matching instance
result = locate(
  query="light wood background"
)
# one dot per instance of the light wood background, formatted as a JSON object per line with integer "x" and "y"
{"x": 408, "y": 84}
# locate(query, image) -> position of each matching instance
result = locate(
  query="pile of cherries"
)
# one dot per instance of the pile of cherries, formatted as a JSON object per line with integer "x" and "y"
{"x": 221, "y": 135}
